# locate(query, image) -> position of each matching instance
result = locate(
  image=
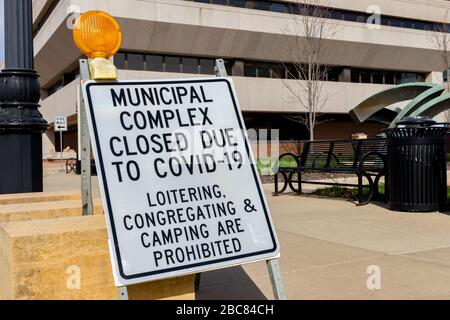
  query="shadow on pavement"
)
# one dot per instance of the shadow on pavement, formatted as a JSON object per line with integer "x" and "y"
{"x": 228, "y": 284}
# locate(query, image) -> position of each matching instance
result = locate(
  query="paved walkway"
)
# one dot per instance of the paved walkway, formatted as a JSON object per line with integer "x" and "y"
{"x": 327, "y": 247}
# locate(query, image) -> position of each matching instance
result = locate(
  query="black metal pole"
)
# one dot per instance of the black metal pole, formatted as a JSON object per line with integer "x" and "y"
{"x": 21, "y": 123}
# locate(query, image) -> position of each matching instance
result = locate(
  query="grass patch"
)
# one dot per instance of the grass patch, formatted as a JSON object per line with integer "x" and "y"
{"x": 352, "y": 193}
{"x": 347, "y": 193}
{"x": 337, "y": 192}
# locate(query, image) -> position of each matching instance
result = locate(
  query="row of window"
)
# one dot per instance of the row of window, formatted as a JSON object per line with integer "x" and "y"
{"x": 177, "y": 64}
{"x": 274, "y": 70}
{"x": 385, "y": 77}
{"x": 163, "y": 63}
{"x": 337, "y": 14}
{"x": 287, "y": 71}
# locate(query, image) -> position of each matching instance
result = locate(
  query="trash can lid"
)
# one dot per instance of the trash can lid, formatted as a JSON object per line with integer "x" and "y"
{"x": 416, "y": 122}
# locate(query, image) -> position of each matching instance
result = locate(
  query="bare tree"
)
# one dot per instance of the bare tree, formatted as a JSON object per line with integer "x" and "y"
{"x": 306, "y": 51}
{"x": 441, "y": 41}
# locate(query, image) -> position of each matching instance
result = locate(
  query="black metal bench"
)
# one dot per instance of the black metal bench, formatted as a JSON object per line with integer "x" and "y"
{"x": 71, "y": 165}
{"x": 363, "y": 158}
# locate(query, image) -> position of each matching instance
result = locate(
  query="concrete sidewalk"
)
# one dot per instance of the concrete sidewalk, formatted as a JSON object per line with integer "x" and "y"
{"x": 327, "y": 247}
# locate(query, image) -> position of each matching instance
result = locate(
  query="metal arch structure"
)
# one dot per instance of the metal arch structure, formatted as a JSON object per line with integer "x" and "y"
{"x": 434, "y": 107}
{"x": 385, "y": 98}
{"x": 417, "y": 103}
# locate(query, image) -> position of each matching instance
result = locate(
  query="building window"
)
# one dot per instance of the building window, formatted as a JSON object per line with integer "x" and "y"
{"x": 250, "y": 69}
{"x": 190, "y": 65}
{"x": 222, "y": 2}
{"x": 119, "y": 60}
{"x": 207, "y": 66}
{"x": 264, "y": 70}
{"x": 237, "y": 3}
{"x": 445, "y": 75}
{"x": 172, "y": 64}
{"x": 389, "y": 78}
{"x": 278, "y": 71}
{"x": 135, "y": 61}
{"x": 155, "y": 62}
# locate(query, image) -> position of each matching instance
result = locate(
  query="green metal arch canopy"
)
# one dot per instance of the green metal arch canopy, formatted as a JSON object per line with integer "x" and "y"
{"x": 417, "y": 102}
{"x": 381, "y": 100}
{"x": 434, "y": 107}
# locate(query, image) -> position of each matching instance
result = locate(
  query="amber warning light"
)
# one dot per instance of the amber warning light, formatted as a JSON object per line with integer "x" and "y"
{"x": 98, "y": 35}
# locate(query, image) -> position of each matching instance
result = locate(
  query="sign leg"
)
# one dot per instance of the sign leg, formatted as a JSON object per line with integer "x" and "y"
{"x": 86, "y": 184}
{"x": 276, "y": 279}
{"x": 198, "y": 279}
{"x": 123, "y": 293}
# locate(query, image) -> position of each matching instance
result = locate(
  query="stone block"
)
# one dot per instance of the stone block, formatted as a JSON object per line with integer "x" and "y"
{"x": 44, "y": 210}
{"x": 68, "y": 258}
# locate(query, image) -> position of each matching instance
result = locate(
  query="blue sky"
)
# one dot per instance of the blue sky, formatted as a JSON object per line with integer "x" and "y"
{"x": 2, "y": 33}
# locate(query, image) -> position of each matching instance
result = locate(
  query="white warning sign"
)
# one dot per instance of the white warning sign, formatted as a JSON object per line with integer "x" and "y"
{"x": 180, "y": 189}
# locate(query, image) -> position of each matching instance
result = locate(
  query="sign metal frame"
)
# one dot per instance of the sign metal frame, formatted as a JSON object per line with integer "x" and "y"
{"x": 85, "y": 148}
{"x": 273, "y": 264}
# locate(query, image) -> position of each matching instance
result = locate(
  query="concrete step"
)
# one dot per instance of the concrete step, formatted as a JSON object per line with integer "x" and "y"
{"x": 39, "y": 197}
{"x": 45, "y": 210}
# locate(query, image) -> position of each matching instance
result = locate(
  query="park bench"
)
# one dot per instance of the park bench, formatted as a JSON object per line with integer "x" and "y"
{"x": 71, "y": 165}
{"x": 362, "y": 158}
{"x": 74, "y": 165}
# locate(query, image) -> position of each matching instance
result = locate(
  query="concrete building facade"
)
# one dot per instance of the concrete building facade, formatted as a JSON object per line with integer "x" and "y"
{"x": 181, "y": 38}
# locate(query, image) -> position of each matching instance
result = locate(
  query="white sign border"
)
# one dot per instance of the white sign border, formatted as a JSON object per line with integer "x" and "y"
{"x": 117, "y": 265}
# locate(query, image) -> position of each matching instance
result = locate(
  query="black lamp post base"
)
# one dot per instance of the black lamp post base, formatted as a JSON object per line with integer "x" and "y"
{"x": 21, "y": 162}
{"x": 21, "y": 128}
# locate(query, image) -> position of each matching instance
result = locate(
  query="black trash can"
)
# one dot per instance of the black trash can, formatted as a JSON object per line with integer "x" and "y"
{"x": 417, "y": 168}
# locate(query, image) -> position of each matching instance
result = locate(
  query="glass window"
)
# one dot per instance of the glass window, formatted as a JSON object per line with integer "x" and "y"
{"x": 389, "y": 78}
{"x": 173, "y": 64}
{"x": 446, "y": 75}
{"x": 250, "y": 69}
{"x": 278, "y": 71}
{"x": 366, "y": 77}
{"x": 155, "y": 63}
{"x": 356, "y": 76}
{"x": 396, "y": 22}
{"x": 250, "y": 4}
{"x": 190, "y": 65}
{"x": 334, "y": 73}
{"x": 262, "y": 5}
{"x": 349, "y": 16}
{"x": 223, "y": 2}
{"x": 228, "y": 66}
{"x": 378, "y": 77}
{"x": 420, "y": 77}
{"x": 406, "y": 77}
{"x": 237, "y": 3}
{"x": 335, "y": 14}
{"x": 264, "y": 70}
{"x": 293, "y": 9}
{"x": 361, "y": 19}
{"x": 207, "y": 66}
{"x": 119, "y": 60}
{"x": 135, "y": 61}
{"x": 279, "y": 7}
{"x": 292, "y": 72}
